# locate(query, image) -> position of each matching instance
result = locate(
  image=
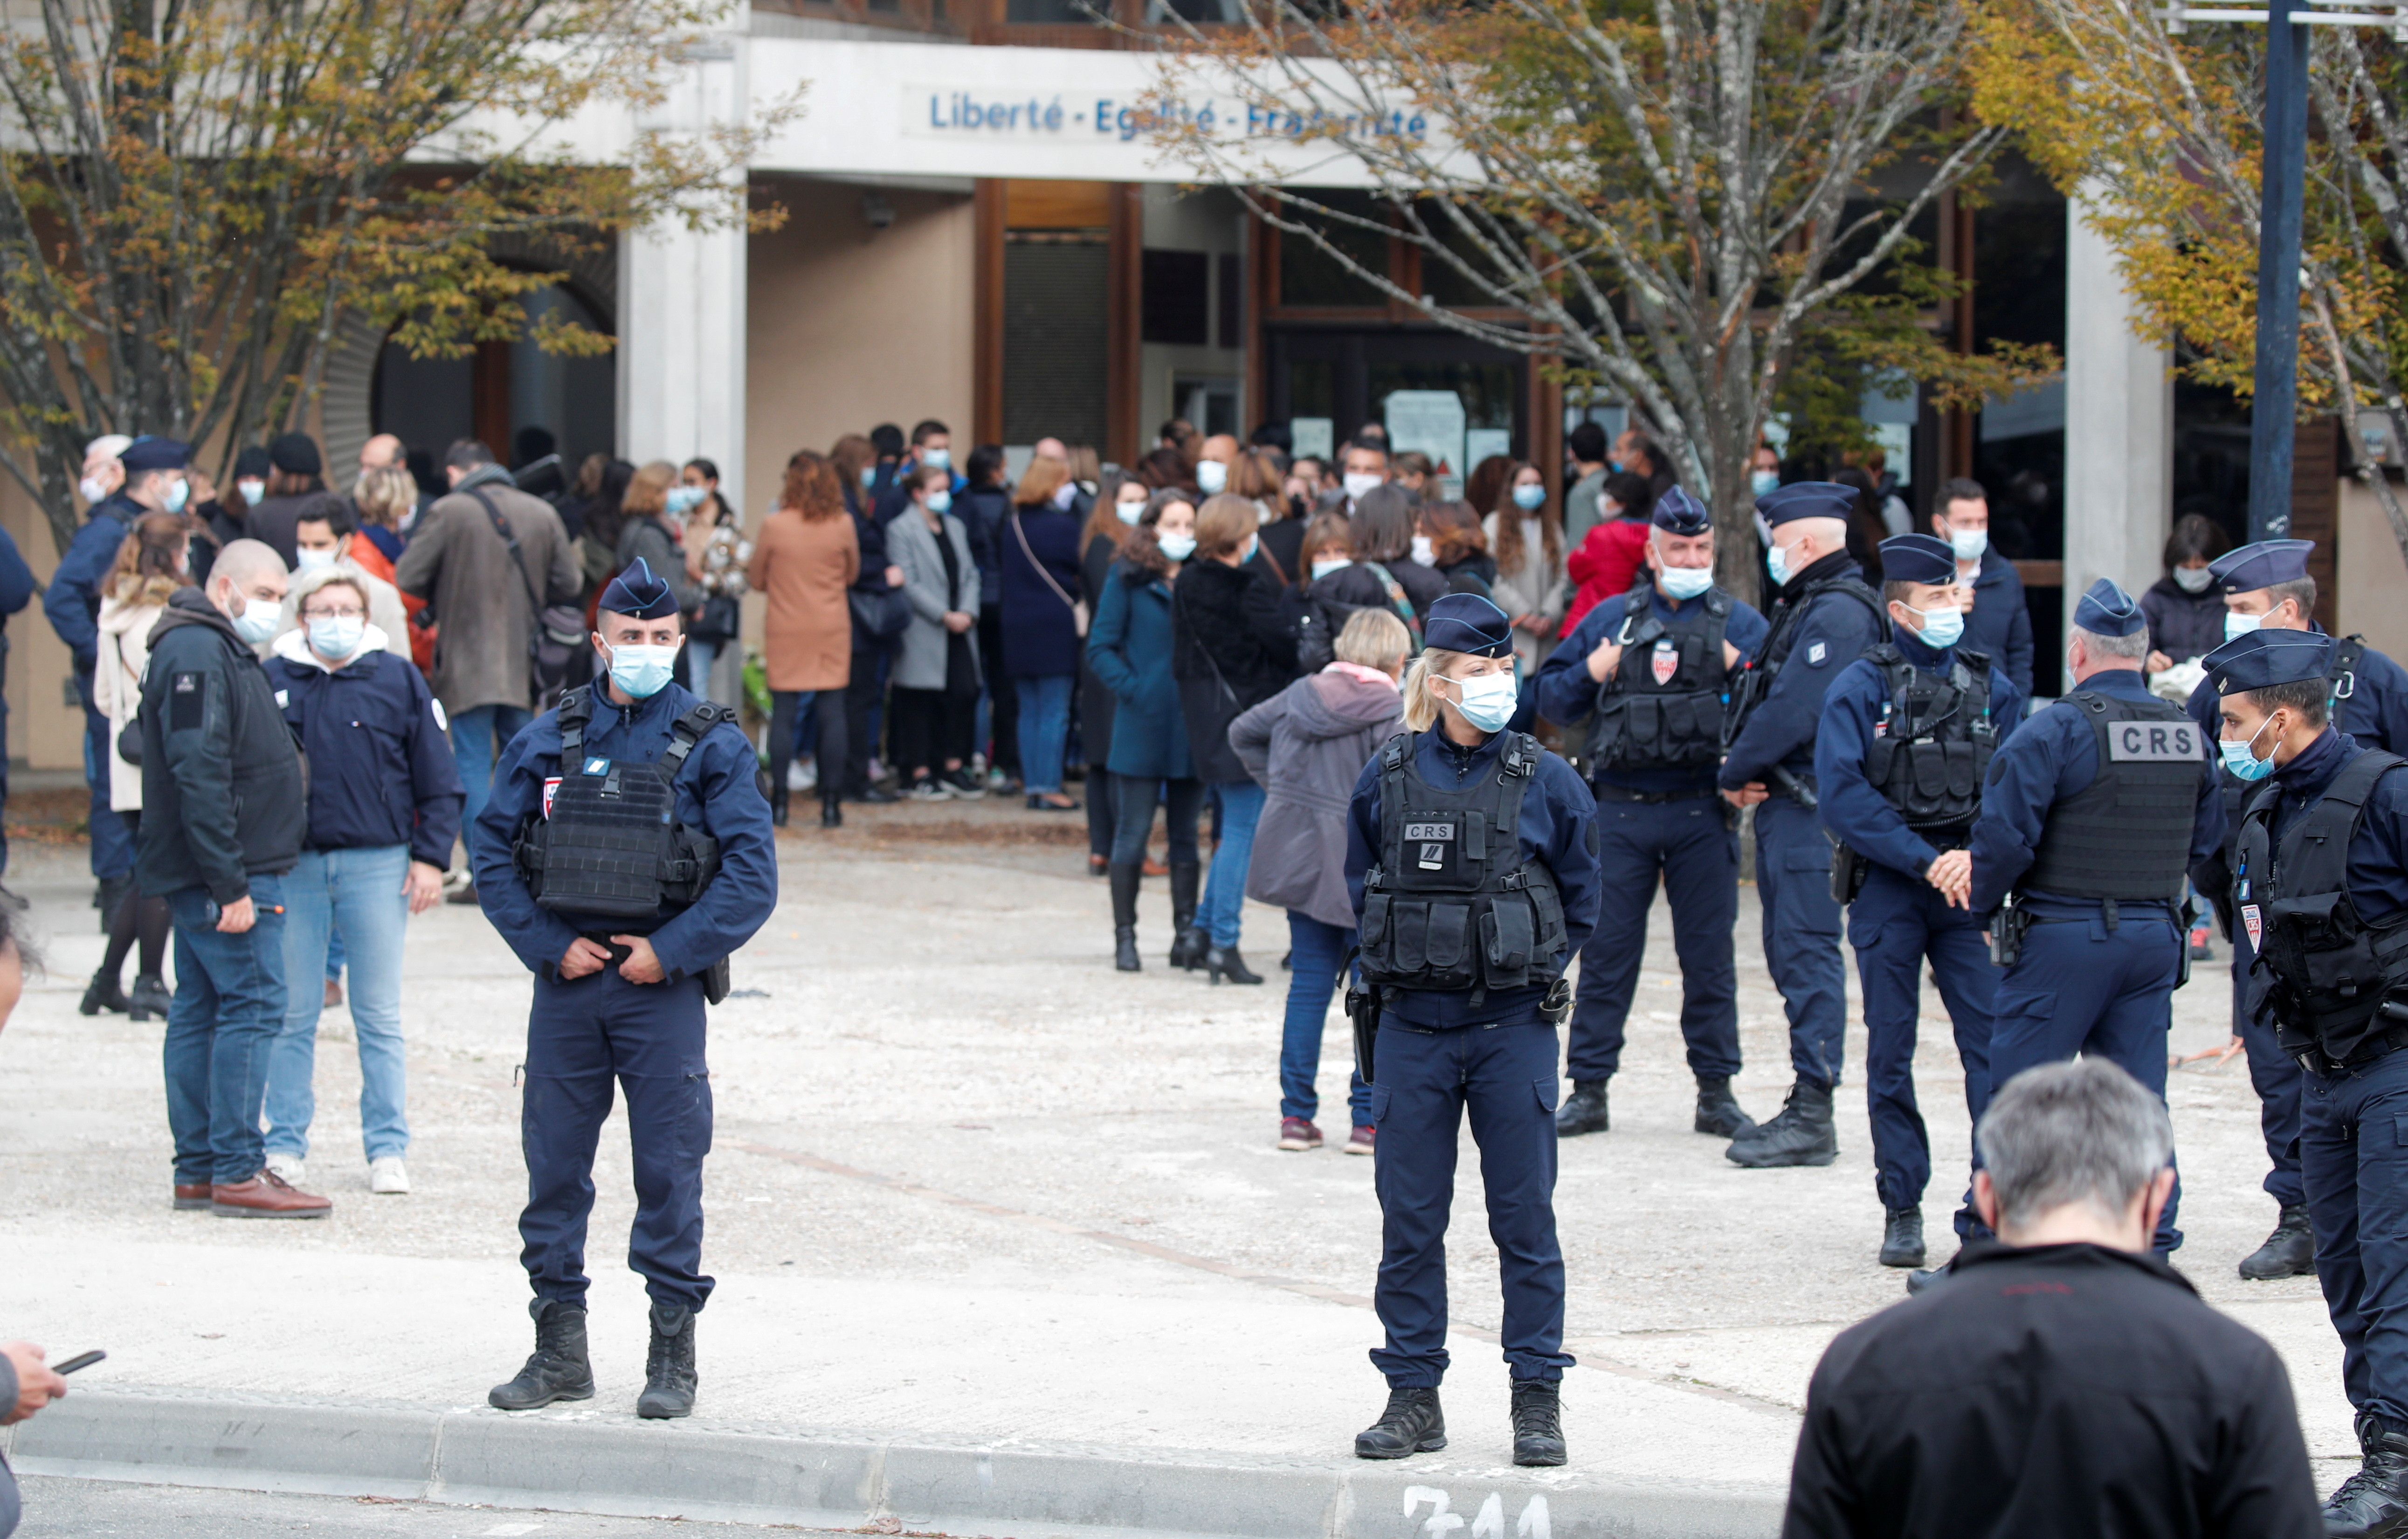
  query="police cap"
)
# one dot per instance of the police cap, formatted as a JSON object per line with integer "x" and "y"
{"x": 2262, "y": 566}
{"x": 149, "y": 453}
{"x": 1678, "y": 513}
{"x": 2107, "y": 609}
{"x": 1806, "y": 499}
{"x": 2260, "y": 659}
{"x": 638, "y": 592}
{"x": 1917, "y": 558}
{"x": 1465, "y": 621}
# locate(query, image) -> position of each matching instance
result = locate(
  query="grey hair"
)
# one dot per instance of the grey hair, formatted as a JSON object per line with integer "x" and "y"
{"x": 2135, "y": 647}
{"x": 2062, "y": 1134}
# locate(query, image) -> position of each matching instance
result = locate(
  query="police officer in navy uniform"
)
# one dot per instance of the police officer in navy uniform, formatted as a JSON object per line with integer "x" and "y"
{"x": 2320, "y": 882}
{"x": 631, "y": 764}
{"x": 2092, "y": 816}
{"x": 2267, "y": 587}
{"x": 1472, "y": 858}
{"x": 1649, "y": 676}
{"x": 1908, "y": 729}
{"x": 1823, "y": 620}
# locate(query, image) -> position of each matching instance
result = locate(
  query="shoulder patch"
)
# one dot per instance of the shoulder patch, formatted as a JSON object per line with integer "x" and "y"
{"x": 443, "y": 723}
{"x": 187, "y": 701}
{"x": 1816, "y": 654}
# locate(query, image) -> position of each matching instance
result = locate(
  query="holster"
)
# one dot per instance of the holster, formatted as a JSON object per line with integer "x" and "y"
{"x": 1558, "y": 1002}
{"x": 2188, "y": 914}
{"x": 1362, "y": 1014}
{"x": 1848, "y": 870}
{"x": 2007, "y": 929}
{"x": 715, "y": 980}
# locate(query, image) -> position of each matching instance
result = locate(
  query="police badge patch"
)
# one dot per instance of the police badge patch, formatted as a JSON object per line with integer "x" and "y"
{"x": 1666, "y": 661}
{"x": 1816, "y": 654}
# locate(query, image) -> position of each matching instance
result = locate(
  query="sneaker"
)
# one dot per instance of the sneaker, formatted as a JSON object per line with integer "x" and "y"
{"x": 999, "y": 783}
{"x": 963, "y": 785}
{"x": 290, "y": 1169}
{"x": 388, "y": 1177}
{"x": 801, "y": 776}
{"x": 1360, "y": 1140}
{"x": 931, "y": 789}
{"x": 1298, "y": 1133}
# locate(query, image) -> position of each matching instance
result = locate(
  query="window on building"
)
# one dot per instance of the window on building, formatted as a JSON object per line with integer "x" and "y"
{"x": 1059, "y": 12}
{"x": 1177, "y": 296}
{"x": 1309, "y": 276}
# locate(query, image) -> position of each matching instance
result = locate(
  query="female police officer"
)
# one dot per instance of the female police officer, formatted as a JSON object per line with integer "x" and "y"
{"x": 1471, "y": 860}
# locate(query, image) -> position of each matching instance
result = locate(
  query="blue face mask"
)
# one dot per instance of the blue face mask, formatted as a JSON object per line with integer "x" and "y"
{"x": 682, "y": 499}
{"x": 1776, "y": 561}
{"x": 1175, "y": 547}
{"x": 2237, "y": 623}
{"x": 868, "y": 477}
{"x": 1488, "y": 701}
{"x": 178, "y": 493}
{"x": 1764, "y": 483}
{"x": 1529, "y": 499}
{"x": 941, "y": 458}
{"x": 1685, "y": 582}
{"x": 1941, "y": 628}
{"x": 939, "y": 500}
{"x": 642, "y": 670}
{"x": 2238, "y": 756}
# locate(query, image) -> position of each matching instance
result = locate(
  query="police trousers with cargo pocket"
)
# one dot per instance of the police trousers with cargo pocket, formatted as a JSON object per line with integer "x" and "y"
{"x": 2354, "y": 1160}
{"x": 582, "y": 1035}
{"x": 1424, "y": 1080}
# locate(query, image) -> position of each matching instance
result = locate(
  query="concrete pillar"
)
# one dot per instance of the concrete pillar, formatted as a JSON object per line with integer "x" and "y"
{"x": 2119, "y": 422}
{"x": 683, "y": 303}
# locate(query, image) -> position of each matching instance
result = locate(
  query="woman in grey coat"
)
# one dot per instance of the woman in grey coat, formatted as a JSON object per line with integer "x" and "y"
{"x": 936, "y": 662}
{"x": 651, "y": 531}
{"x": 1307, "y": 746}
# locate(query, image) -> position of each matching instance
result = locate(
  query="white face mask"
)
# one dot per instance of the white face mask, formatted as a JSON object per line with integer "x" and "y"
{"x": 307, "y": 560}
{"x": 1685, "y": 582}
{"x": 1359, "y": 483}
{"x": 256, "y": 623}
{"x": 2237, "y": 623}
{"x": 253, "y": 490}
{"x": 1424, "y": 552}
{"x": 1488, "y": 701}
{"x": 1969, "y": 544}
{"x": 1175, "y": 547}
{"x": 1130, "y": 511}
{"x": 1326, "y": 565}
{"x": 337, "y": 637}
{"x": 2193, "y": 578}
{"x": 1211, "y": 477}
{"x": 91, "y": 489}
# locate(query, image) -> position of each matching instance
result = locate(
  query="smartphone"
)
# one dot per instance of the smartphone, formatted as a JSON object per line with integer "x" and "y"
{"x": 81, "y": 1360}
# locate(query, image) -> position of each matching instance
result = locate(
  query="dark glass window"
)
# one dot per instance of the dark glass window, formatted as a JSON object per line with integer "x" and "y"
{"x": 1309, "y": 276}
{"x": 1176, "y": 297}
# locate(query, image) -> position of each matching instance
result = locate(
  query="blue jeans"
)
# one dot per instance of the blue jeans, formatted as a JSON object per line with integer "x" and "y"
{"x": 361, "y": 891}
{"x": 228, "y": 1007}
{"x": 1318, "y": 951}
{"x": 478, "y": 738}
{"x": 1044, "y": 727}
{"x": 1224, "y": 889}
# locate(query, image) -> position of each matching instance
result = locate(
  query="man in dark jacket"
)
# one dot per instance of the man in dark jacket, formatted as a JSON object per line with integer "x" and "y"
{"x": 26, "y": 1385}
{"x": 2062, "y": 1381}
{"x": 1999, "y": 622}
{"x": 227, "y": 806}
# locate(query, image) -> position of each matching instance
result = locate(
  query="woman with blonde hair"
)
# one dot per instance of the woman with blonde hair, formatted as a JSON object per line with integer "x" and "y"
{"x": 1474, "y": 885}
{"x": 804, "y": 564}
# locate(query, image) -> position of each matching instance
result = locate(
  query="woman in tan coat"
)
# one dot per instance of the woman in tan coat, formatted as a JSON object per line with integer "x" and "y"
{"x": 805, "y": 562}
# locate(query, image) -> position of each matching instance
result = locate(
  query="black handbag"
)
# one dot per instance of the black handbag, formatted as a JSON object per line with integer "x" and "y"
{"x": 720, "y": 618}
{"x": 881, "y": 616}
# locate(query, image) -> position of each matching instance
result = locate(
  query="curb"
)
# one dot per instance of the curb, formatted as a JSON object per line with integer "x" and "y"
{"x": 585, "y": 1462}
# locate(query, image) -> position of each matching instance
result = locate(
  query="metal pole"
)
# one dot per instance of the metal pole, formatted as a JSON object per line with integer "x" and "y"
{"x": 2274, "y": 404}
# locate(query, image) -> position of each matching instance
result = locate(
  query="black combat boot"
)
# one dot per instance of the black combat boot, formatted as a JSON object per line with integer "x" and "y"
{"x": 1537, "y": 1422}
{"x": 668, "y": 1367}
{"x": 1584, "y": 1111}
{"x": 148, "y": 997}
{"x": 558, "y": 1370}
{"x": 1188, "y": 943}
{"x": 1920, "y": 1283}
{"x": 2290, "y": 1251}
{"x": 1224, "y": 962}
{"x": 1802, "y": 1134}
{"x": 1412, "y": 1424}
{"x": 2373, "y": 1503}
{"x": 1718, "y": 1110}
{"x": 1124, "y": 884}
{"x": 776, "y": 806}
{"x": 1902, "y": 1238}
{"x": 831, "y": 811}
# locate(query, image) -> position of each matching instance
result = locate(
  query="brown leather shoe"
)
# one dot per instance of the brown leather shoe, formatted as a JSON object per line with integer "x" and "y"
{"x": 192, "y": 1196}
{"x": 267, "y": 1195}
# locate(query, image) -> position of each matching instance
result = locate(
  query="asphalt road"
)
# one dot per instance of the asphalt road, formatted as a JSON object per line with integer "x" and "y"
{"x": 100, "y": 1509}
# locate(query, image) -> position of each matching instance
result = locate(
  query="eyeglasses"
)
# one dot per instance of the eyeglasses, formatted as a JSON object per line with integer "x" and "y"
{"x": 332, "y": 614}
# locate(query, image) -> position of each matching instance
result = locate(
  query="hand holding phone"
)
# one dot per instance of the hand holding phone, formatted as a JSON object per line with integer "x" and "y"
{"x": 80, "y": 1360}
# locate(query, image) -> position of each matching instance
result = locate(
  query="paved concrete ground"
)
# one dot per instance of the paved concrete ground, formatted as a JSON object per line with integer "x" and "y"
{"x": 108, "y": 1509}
{"x": 971, "y": 1186}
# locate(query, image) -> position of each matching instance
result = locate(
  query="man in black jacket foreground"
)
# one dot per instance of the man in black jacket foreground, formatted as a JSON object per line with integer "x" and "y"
{"x": 225, "y": 807}
{"x": 2061, "y": 1381}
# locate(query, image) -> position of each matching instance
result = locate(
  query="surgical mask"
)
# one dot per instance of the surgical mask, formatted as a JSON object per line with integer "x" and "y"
{"x": 2240, "y": 758}
{"x": 683, "y": 498}
{"x": 1424, "y": 552}
{"x": 1175, "y": 547}
{"x": 336, "y": 635}
{"x": 1253, "y": 543}
{"x": 2193, "y": 578}
{"x": 1329, "y": 564}
{"x": 2238, "y": 624}
{"x": 1776, "y": 561}
{"x": 1969, "y": 544}
{"x": 255, "y": 625}
{"x": 1130, "y": 511}
{"x": 1358, "y": 483}
{"x": 1489, "y": 700}
{"x": 1211, "y": 477}
{"x": 1529, "y": 499}
{"x": 307, "y": 560}
{"x": 1685, "y": 582}
{"x": 178, "y": 493}
{"x": 1764, "y": 483}
{"x": 941, "y": 458}
{"x": 868, "y": 477}
{"x": 91, "y": 489}
{"x": 939, "y": 500}
{"x": 642, "y": 670}
{"x": 1941, "y": 628}
{"x": 251, "y": 491}
{"x": 1066, "y": 494}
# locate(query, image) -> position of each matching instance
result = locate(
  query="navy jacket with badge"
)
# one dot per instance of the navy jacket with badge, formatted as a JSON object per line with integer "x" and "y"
{"x": 2053, "y": 757}
{"x": 2000, "y": 622}
{"x": 224, "y": 793}
{"x": 1854, "y": 809}
{"x": 1832, "y": 634}
{"x": 717, "y": 791}
{"x": 381, "y": 770}
{"x": 1567, "y": 696}
{"x": 1556, "y": 828}
{"x": 2377, "y": 871}
{"x": 72, "y": 601}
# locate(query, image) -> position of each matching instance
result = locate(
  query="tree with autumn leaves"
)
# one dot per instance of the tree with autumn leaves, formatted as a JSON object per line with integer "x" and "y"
{"x": 196, "y": 194}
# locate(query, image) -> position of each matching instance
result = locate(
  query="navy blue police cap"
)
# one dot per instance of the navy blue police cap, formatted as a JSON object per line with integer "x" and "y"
{"x": 1918, "y": 558}
{"x": 2260, "y": 659}
{"x": 638, "y": 592}
{"x": 149, "y": 453}
{"x": 1806, "y": 499}
{"x": 2107, "y": 609}
{"x": 2262, "y": 566}
{"x": 1678, "y": 513}
{"x": 1465, "y": 621}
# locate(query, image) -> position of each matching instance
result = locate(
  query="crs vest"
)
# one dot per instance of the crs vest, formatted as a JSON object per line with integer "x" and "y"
{"x": 2127, "y": 835}
{"x": 2331, "y": 971}
{"x": 1756, "y": 677}
{"x": 1452, "y": 904}
{"x": 612, "y": 847}
{"x": 1662, "y": 707}
{"x": 1933, "y": 744}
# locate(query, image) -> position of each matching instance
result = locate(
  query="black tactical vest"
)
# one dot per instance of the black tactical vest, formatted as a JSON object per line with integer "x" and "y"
{"x": 1662, "y": 707}
{"x": 2127, "y": 835}
{"x": 1451, "y": 904}
{"x": 1933, "y": 744}
{"x": 2331, "y": 971}
{"x": 1760, "y": 671}
{"x": 612, "y": 847}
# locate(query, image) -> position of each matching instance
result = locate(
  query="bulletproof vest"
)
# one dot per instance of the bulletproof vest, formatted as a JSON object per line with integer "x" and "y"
{"x": 1662, "y": 707}
{"x": 1451, "y": 904}
{"x": 1933, "y": 743}
{"x": 2126, "y": 835}
{"x": 1756, "y": 679}
{"x": 612, "y": 847}
{"x": 2331, "y": 969}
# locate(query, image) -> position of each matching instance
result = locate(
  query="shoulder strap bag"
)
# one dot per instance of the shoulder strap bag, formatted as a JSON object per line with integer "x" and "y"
{"x": 558, "y": 629}
{"x": 1078, "y": 606}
